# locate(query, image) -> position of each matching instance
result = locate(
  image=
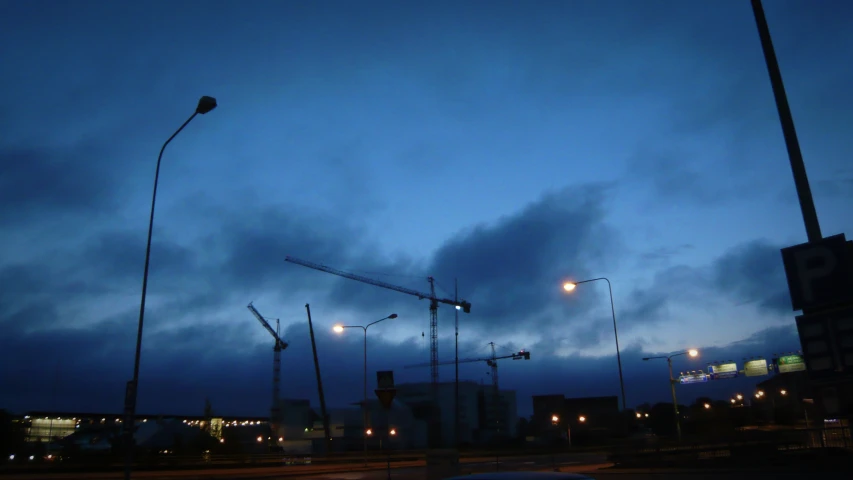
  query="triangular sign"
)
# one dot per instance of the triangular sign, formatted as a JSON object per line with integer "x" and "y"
{"x": 386, "y": 396}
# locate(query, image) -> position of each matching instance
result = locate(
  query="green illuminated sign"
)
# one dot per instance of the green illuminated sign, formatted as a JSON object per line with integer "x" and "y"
{"x": 791, "y": 363}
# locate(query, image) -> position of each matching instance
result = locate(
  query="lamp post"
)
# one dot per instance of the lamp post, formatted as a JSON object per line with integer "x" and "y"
{"x": 570, "y": 287}
{"x": 205, "y": 105}
{"x": 693, "y": 353}
{"x": 340, "y": 329}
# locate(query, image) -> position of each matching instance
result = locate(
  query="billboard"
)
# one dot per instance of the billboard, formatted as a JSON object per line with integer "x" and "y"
{"x": 692, "y": 377}
{"x": 723, "y": 370}
{"x": 791, "y": 363}
{"x": 755, "y": 368}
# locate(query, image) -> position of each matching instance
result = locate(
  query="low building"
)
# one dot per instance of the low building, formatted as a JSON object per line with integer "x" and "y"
{"x": 483, "y": 417}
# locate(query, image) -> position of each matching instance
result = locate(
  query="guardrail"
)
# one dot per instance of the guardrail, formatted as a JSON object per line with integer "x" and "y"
{"x": 748, "y": 446}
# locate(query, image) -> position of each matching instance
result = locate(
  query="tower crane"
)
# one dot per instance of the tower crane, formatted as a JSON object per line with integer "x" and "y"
{"x": 433, "y": 305}
{"x": 276, "y": 370}
{"x": 492, "y": 362}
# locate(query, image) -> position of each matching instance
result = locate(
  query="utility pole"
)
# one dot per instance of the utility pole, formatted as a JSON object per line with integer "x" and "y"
{"x": 795, "y": 156}
{"x": 456, "y": 363}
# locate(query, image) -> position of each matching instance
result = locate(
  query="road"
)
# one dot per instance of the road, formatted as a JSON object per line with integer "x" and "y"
{"x": 400, "y": 470}
{"x": 597, "y": 472}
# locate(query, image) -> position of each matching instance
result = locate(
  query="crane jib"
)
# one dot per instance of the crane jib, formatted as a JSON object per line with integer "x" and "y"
{"x": 462, "y": 304}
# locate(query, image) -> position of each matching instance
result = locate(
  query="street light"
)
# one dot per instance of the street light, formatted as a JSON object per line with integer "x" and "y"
{"x": 707, "y": 406}
{"x": 205, "y": 105}
{"x": 555, "y": 419}
{"x": 366, "y": 417}
{"x": 581, "y": 419}
{"x": 693, "y": 353}
{"x": 570, "y": 287}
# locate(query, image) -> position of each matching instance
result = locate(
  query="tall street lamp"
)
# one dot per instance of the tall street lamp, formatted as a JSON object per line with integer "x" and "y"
{"x": 570, "y": 287}
{"x": 366, "y": 417}
{"x": 693, "y": 353}
{"x": 205, "y": 105}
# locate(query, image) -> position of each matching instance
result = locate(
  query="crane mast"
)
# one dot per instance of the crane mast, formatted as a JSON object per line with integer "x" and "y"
{"x": 275, "y": 414}
{"x": 496, "y": 393}
{"x": 433, "y": 335}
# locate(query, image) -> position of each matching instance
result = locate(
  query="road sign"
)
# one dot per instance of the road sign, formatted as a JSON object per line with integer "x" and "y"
{"x": 384, "y": 379}
{"x": 386, "y": 396}
{"x": 827, "y": 341}
{"x": 686, "y": 378}
{"x": 755, "y": 368}
{"x": 819, "y": 273}
{"x": 790, "y": 363}
{"x": 722, "y": 371}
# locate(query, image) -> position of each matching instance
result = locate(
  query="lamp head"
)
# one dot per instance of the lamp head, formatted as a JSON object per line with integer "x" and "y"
{"x": 693, "y": 352}
{"x": 205, "y": 104}
{"x": 570, "y": 286}
{"x": 392, "y": 316}
{"x": 338, "y": 328}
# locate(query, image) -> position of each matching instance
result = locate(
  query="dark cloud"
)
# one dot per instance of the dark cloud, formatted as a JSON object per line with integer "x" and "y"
{"x": 513, "y": 268}
{"x": 80, "y": 369}
{"x": 663, "y": 255}
{"x": 753, "y": 273}
{"x": 37, "y": 183}
{"x": 649, "y": 304}
{"x": 835, "y": 188}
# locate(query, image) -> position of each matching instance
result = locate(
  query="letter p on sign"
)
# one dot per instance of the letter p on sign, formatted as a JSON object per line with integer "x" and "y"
{"x": 819, "y": 274}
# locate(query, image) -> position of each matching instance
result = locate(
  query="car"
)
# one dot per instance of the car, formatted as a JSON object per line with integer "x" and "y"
{"x": 523, "y": 476}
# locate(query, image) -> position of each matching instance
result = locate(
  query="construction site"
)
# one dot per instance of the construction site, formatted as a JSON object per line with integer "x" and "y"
{"x": 437, "y": 414}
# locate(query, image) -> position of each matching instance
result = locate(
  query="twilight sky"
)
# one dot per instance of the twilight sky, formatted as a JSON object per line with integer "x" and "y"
{"x": 509, "y": 145}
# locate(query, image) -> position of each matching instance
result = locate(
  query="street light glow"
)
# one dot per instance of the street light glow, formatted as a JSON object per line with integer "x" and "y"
{"x": 369, "y": 432}
{"x": 393, "y": 431}
{"x": 581, "y": 419}
{"x": 570, "y": 286}
{"x": 707, "y": 405}
{"x": 693, "y": 352}
{"x": 783, "y": 392}
{"x": 555, "y": 418}
{"x": 338, "y": 328}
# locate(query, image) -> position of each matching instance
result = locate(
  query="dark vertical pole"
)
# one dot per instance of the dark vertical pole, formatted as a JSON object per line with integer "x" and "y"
{"x": 328, "y": 435}
{"x": 456, "y": 365}
{"x": 365, "y": 414}
{"x": 130, "y": 395}
{"x": 798, "y": 168}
